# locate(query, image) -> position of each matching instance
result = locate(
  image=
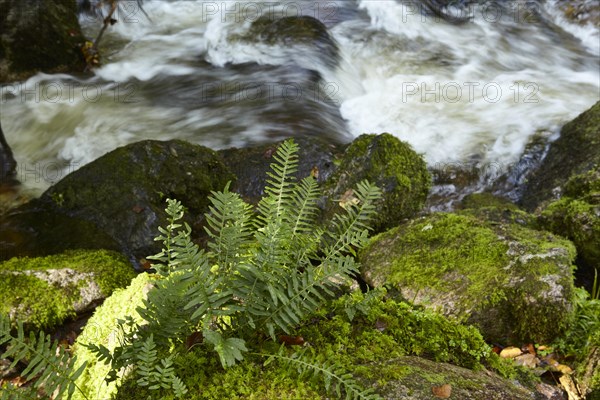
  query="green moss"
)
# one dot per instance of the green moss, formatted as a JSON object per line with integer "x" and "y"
{"x": 102, "y": 328}
{"x": 40, "y": 301}
{"x": 467, "y": 267}
{"x": 394, "y": 167}
{"x": 388, "y": 331}
{"x": 577, "y": 216}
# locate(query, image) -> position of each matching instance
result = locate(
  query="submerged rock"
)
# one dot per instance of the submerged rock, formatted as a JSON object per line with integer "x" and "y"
{"x": 43, "y": 292}
{"x": 39, "y": 35}
{"x": 296, "y": 31}
{"x": 512, "y": 282}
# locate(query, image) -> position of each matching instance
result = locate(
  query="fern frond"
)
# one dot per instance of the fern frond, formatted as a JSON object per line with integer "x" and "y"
{"x": 334, "y": 377}
{"x": 154, "y": 374}
{"x": 229, "y": 350}
{"x": 350, "y": 229}
{"x": 228, "y": 228}
{"x": 48, "y": 365}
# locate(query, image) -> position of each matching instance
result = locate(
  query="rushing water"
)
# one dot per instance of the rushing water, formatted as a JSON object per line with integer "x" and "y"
{"x": 472, "y": 93}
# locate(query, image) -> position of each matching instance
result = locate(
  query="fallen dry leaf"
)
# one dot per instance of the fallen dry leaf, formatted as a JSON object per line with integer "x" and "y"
{"x": 442, "y": 392}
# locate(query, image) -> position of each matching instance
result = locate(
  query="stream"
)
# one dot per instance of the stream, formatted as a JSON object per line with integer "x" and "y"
{"x": 472, "y": 94}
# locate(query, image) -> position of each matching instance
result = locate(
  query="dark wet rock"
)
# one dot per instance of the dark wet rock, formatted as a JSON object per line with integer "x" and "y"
{"x": 382, "y": 159}
{"x": 393, "y": 166}
{"x": 39, "y": 35}
{"x": 123, "y": 192}
{"x": 43, "y": 292}
{"x": 294, "y": 31}
{"x": 87, "y": 215}
{"x": 514, "y": 283}
{"x": 251, "y": 164}
{"x": 581, "y": 11}
{"x": 576, "y": 151}
{"x": 8, "y": 164}
{"x": 566, "y": 188}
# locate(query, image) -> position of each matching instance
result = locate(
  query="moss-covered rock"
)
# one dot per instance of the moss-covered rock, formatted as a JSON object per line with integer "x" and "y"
{"x": 392, "y": 165}
{"x": 39, "y": 35}
{"x": 575, "y": 152}
{"x": 489, "y": 207}
{"x": 102, "y": 328}
{"x": 43, "y": 292}
{"x": 124, "y": 191}
{"x": 577, "y": 216}
{"x": 512, "y": 282}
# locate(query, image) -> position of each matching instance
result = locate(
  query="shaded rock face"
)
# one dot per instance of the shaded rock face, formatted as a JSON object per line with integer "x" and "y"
{"x": 393, "y": 166}
{"x": 576, "y": 151}
{"x": 577, "y": 216}
{"x": 44, "y": 292}
{"x": 250, "y": 165}
{"x": 39, "y": 35}
{"x": 512, "y": 282}
{"x": 8, "y": 164}
{"x": 117, "y": 201}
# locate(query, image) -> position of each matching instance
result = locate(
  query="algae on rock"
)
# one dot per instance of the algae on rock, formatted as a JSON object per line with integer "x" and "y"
{"x": 514, "y": 283}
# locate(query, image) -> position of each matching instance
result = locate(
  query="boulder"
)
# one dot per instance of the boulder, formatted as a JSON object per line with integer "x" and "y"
{"x": 514, "y": 283}
{"x": 39, "y": 35}
{"x": 575, "y": 152}
{"x": 390, "y": 164}
{"x": 102, "y": 328}
{"x": 124, "y": 192}
{"x": 577, "y": 216}
{"x": 44, "y": 292}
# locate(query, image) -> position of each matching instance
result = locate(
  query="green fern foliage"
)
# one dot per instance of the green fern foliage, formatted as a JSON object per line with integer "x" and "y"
{"x": 49, "y": 367}
{"x": 264, "y": 272}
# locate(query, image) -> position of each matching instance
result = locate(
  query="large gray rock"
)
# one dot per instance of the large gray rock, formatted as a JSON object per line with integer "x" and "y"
{"x": 514, "y": 283}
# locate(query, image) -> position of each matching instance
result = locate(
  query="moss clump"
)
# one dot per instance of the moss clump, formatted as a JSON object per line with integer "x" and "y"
{"x": 44, "y": 291}
{"x": 487, "y": 207}
{"x": 390, "y": 164}
{"x": 368, "y": 346}
{"x": 514, "y": 283}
